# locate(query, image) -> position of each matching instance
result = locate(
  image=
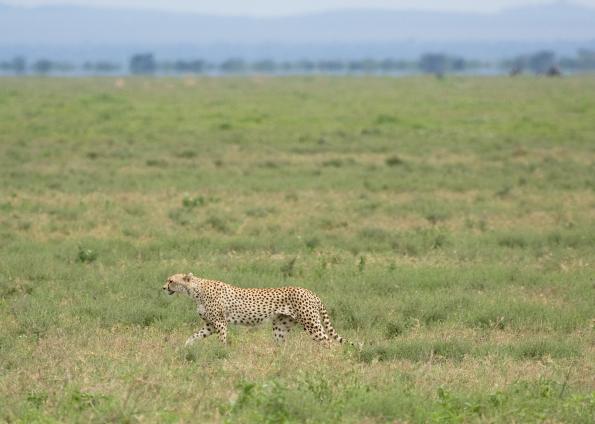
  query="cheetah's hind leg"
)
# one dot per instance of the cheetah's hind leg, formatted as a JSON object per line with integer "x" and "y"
{"x": 316, "y": 331}
{"x": 282, "y": 326}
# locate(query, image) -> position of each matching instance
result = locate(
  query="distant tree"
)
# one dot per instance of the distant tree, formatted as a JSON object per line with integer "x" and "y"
{"x": 12, "y": 66}
{"x": 388, "y": 65}
{"x": 434, "y": 63}
{"x": 331, "y": 65}
{"x": 541, "y": 61}
{"x": 586, "y": 59}
{"x": 364, "y": 65}
{"x": 42, "y": 66}
{"x": 458, "y": 64}
{"x": 19, "y": 65}
{"x": 266, "y": 66}
{"x": 101, "y": 66}
{"x": 143, "y": 63}
{"x": 305, "y": 65}
{"x": 286, "y": 66}
{"x": 233, "y": 65}
{"x": 198, "y": 66}
{"x": 193, "y": 66}
{"x": 62, "y": 67}
{"x": 355, "y": 66}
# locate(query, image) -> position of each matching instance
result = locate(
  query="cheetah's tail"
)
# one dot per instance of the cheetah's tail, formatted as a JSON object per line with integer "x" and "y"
{"x": 326, "y": 321}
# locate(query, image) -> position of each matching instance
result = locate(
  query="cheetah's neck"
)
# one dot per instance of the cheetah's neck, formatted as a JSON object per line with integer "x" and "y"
{"x": 191, "y": 289}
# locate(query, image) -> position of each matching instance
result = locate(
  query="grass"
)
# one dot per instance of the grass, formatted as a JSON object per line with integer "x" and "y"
{"x": 446, "y": 224}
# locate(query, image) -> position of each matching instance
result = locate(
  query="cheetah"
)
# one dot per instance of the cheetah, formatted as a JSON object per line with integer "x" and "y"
{"x": 219, "y": 303}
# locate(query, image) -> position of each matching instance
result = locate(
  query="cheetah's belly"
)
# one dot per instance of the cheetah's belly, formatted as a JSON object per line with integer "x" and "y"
{"x": 248, "y": 314}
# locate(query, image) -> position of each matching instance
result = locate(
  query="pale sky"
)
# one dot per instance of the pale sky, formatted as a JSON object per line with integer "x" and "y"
{"x": 289, "y": 7}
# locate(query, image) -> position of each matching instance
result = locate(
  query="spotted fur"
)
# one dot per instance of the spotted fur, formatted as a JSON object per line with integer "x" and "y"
{"x": 219, "y": 304}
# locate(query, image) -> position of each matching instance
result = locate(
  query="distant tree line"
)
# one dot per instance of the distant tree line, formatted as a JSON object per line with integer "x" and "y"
{"x": 146, "y": 64}
{"x": 19, "y": 66}
{"x": 541, "y": 62}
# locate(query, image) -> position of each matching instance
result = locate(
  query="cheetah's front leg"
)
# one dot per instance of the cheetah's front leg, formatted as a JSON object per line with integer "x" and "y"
{"x": 281, "y": 326}
{"x": 221, "y": 328}
{"x": 204, "y": 332}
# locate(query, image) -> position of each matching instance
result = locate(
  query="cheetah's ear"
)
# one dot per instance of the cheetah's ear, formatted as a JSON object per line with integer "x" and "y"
{"x": 188, "y": 276}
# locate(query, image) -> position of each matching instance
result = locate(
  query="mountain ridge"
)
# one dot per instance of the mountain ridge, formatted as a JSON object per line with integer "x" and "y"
{"x": 64, "y": 25}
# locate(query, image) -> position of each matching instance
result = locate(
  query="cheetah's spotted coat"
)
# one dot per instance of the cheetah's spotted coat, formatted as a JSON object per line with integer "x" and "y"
{"x": 219, "y": 303}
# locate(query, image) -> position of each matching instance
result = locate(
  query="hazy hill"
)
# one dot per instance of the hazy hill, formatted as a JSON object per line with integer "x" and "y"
{"x": 81, "y": 31}
{"x": 73, "y": 25}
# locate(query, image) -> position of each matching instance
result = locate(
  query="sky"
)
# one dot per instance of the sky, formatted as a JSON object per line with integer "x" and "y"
{"x": 290, "y": 7}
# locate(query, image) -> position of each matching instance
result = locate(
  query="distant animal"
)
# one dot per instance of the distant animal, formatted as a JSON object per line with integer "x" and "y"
{"x": 219, "y": 303}
{"x": 553, "y": 71}
{"x": 516, "y": 70}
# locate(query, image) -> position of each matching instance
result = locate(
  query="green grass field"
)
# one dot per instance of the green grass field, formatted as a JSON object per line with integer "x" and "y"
{"x": 448, "y": 225}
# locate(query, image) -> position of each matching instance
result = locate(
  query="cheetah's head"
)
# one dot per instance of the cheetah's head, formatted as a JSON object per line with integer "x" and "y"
{"x": 177, "y": 282}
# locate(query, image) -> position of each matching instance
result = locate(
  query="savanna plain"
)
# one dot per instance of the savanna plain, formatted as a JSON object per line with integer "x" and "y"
{"x": 448, "y": 226}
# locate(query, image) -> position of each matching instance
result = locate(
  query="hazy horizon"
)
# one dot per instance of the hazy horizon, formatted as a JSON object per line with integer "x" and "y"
{"x": 266, "y": 8}
{"x": 75, "y": 34}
